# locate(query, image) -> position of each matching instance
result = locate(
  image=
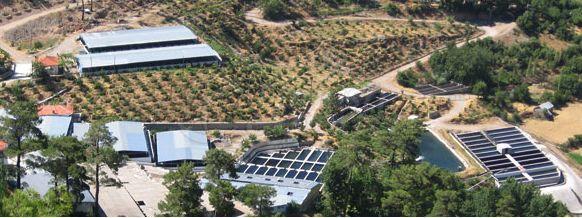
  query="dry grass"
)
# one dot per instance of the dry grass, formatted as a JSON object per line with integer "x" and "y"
{"x": 567, "y": 123}
{"x": 554, "y": 42}
{"x": 422, "y": 107}
{"x": 52, "y": 28}
{"x": 474, "y": 113}
{"x": 516, "y": 36}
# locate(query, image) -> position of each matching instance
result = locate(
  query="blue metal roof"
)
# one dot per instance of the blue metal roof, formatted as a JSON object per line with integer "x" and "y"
{"x": 181, "y": 145}
{"x": 137, "y": 36}
{"x": 145, "y": 55}
{"x": 130, "y": 136}
{"x": 55, "y": 125}
{"x": 80, "y": 129}
{"x": 40, "y": 180}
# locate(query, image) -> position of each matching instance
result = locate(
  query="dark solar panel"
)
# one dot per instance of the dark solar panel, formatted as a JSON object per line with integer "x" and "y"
{"x": 314, "y": 155}
{"x": 324, "y": 157}
{"x": 284, "y": 164}
{"x": 252, "y": 169}
{"x": 272, "y": 162}
{"x": 271, "y": 171}
{"x": 291, "y": 155}
{"x": 259, "y": 161}
{"x": 303, "y": 154}
{"x": 291, "y": 174}
{"x": 317, "y": 167}
{"x": 312, "y": 176}
{"x": 264, "y": 155}
{"x": 301, "y": 175}
{"x": 261, "y": 171}
{"x": 296, "y": 165}
{"x": 278, "y": 155}
{"x": 242, "y": 168}
{"x": 319, "y": 178}
{"x": 281, "y": 173}
{"x": 307, "y": 166}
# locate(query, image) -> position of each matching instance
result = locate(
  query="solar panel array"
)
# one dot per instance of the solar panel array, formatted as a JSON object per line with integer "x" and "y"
{"x": 445, "y": 89}
{"x": 525, "y": 162}
{"x": 304, "y": 164}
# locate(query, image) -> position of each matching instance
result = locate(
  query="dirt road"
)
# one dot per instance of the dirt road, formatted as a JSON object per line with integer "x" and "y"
{"x": 20, "y": 56}
{"x": 388, "y": 81}
{"x": 255, "y": 16}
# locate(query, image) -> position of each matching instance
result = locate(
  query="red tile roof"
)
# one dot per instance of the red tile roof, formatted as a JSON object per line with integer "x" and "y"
{"x": 49, "y": 61}
{"x": 3, "y": 146}
{"x": 46, "y": 110}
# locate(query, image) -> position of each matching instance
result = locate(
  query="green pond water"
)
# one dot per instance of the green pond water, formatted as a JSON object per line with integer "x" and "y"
{"x": 435, "y": 152}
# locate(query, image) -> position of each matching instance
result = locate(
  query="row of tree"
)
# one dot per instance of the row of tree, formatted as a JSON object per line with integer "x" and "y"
{"x": 71, "y": 162}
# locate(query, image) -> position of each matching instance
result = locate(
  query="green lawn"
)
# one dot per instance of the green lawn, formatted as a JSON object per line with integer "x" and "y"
{"x": 576, "y": 157}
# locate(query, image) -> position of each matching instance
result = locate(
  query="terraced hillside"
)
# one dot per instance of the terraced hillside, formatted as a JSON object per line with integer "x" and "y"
{"x": 329, "y": 51}
{"x": 265, "y": 71}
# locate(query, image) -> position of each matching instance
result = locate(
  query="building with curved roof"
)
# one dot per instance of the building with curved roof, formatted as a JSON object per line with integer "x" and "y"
{"x": 119, "y": 40}
{"x": 131, "y": 138}
{"x": 173, "y": 147}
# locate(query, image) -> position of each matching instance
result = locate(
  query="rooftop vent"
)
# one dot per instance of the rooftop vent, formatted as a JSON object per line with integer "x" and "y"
{"x": 503, "y": 148}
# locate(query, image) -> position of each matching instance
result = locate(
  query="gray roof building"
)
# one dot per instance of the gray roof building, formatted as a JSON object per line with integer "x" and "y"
{"x": 146, "y": 58}
{"x": 547, "y": 105}
{"x": 180, "y": 145}
{"x": 55, "y": 125}
{"x": 137, "y": 38}
{"x": 131, "y": 137}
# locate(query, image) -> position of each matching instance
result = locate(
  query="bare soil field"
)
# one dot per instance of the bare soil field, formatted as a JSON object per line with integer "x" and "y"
{"x": 567, "y": 123}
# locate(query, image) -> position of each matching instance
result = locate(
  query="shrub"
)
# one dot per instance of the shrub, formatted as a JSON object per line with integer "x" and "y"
{"x": 572, "y": 143}
{"x": 274, "y": 9}
{"x": 407, "y": 78}
{"x": 392, "y": 9}
{"x": 276, "y": 132}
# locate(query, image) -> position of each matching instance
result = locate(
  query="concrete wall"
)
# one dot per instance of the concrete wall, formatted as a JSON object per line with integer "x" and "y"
{"x": 162, "y": 126}
{"x": 270, "y": 145}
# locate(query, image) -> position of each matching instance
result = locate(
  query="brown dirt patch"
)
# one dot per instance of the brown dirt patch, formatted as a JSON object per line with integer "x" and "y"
{"x": 554, "y": 42}
{"x": 567, "y": 123}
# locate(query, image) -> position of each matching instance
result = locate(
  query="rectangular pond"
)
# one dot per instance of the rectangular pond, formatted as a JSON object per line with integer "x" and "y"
{"x": 436, "y": 153}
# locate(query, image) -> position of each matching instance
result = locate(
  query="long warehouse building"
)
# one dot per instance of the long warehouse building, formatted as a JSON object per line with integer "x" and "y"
{"x": 131, "y": 60}
{"x": 122, "y": 40}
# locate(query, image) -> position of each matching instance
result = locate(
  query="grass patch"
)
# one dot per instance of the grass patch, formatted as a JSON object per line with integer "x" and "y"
{"x": 576, "y": 157}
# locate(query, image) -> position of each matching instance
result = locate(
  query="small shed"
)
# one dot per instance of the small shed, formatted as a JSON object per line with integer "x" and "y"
{"x": 349, "y": 96}
{"x": 547, "y": 106}
{"x": 545, "y": 110}
{"x": 174, "y": 147}
{"x": 50, "y": 63}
